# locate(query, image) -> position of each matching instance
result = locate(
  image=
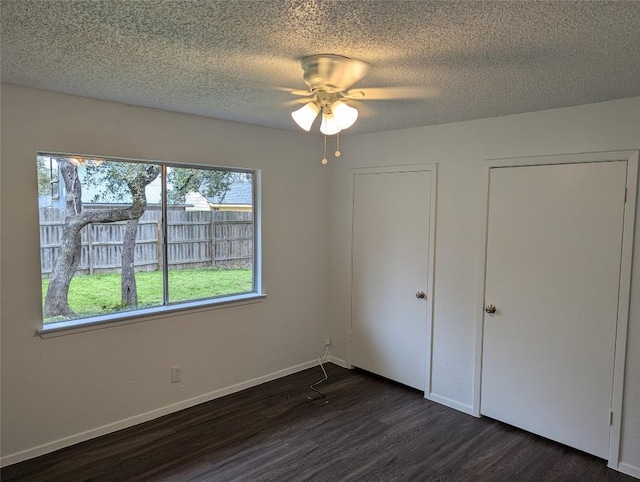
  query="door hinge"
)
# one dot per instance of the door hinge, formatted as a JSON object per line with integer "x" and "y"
{"x": 625, "y": 194}
{"x": 611, "y": 418}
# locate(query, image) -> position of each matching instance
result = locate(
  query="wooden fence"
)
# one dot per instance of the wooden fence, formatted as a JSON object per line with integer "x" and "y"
{"x": 194, "y": 239}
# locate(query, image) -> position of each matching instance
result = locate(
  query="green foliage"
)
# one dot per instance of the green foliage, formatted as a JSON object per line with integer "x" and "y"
{"x": 207, "y": 182}
{"x": 111, "y": 179}
{"x": 93, "y": 295}
{"x": 44, "y": 176}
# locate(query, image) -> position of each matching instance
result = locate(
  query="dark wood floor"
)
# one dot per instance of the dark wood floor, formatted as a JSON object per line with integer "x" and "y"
{"x": 370, "y": 430}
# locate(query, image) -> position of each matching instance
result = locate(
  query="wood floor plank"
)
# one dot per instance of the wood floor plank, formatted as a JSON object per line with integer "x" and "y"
{"x": 370, "y": 429}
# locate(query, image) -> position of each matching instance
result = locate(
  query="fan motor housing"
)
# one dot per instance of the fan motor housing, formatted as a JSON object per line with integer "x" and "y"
{"x": 332, "y": 73}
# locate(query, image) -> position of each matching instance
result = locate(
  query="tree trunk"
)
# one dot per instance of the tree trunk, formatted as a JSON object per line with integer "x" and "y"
{"x": 128, "y": 281}
{"x": 56, "y": 302}
{"x": 57, "y": 299}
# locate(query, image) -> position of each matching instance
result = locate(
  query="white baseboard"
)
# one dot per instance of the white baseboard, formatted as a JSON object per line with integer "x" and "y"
{"x": 468, "y": 409}
{"x": 145, "y": 417}
{"x": 628, "y": 469}
{"x": 339, "y": 362}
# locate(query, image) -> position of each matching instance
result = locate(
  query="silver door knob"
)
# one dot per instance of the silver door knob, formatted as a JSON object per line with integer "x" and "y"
{"x": 491, "y": 309}
{"x": 421, "y": 295}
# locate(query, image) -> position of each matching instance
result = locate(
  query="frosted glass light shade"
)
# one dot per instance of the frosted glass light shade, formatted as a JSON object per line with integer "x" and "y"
{"x": 344, "y": 114}
{"x": 329, "y": 124}
{"x": 305, "y": 115}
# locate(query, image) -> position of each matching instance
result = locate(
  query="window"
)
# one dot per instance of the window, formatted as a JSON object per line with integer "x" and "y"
{"x": 120, "y": 238}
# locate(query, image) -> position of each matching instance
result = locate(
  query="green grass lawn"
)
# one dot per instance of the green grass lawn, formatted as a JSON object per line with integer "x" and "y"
{"x": 99, "y": 294}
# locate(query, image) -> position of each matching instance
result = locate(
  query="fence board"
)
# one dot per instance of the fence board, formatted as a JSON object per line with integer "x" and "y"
{"x": 194, "y": 238}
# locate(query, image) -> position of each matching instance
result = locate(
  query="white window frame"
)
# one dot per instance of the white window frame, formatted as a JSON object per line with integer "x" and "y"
{"x": 168, "y": 309}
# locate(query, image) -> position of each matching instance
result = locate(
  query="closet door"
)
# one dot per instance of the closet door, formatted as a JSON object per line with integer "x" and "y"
{"x": 390, "y": 267}
{"x": 554, "y": 244}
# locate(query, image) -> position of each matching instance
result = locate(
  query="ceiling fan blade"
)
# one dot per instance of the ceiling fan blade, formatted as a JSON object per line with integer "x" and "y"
{"x": 291, "y": 91}
{"x": 293, "y": 102}
{"x": 392, "y": 93}
{"x": 364, "y": 109}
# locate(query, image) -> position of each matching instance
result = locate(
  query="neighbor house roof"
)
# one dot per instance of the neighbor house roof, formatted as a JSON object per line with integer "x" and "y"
{"x": 238, "y": 193}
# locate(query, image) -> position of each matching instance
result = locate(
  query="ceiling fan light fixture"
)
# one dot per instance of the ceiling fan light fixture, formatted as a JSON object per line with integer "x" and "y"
{"x": 345, "y": 115}
{"x": 305, "y": 115}
{"x": 329, "y": 125}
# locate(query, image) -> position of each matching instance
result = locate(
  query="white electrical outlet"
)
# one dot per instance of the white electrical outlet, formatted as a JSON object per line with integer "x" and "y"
{"x": 176, "y": 374}
{"x": 327, "y": 340}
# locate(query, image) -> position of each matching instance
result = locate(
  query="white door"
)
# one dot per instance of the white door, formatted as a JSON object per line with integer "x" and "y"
{"x": 554, "y": 244}
{"x": 390, "y": 266}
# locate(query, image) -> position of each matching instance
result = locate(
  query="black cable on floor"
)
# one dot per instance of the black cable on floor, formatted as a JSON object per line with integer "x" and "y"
{"x": 314, "y": 399}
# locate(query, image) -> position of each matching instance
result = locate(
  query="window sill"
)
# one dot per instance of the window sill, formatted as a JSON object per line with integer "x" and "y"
{"x": 82, "y": 325}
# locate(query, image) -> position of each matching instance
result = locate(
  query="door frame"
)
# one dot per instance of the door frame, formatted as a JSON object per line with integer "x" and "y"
{"x": 631, "y": 157}
{"x": 431, "y": 168}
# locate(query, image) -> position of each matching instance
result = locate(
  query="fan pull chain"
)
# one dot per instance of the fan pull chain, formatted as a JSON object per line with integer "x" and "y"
{"x": 324, "y": 157}
{"x": 337, "y": 153}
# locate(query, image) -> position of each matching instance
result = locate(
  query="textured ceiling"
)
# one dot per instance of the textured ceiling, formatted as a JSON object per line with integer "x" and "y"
{"x": 225, "y": 59}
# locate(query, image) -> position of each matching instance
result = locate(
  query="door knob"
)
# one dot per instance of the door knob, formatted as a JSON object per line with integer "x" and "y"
{"x": 421, "y": 295}
{"x": 491, "y": 309}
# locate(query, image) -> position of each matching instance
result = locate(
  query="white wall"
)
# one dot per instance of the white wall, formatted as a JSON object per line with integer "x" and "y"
{"x": 61, "y": 387}
{"x": 458, "y": 149}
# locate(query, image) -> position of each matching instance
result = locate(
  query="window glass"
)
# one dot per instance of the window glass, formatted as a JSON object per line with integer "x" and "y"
{"x": 210, "y": 239}
{"x": 103, "y": 226}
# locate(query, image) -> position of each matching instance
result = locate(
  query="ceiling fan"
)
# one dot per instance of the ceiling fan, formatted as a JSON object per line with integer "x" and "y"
{"x": 330, "y": 78}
